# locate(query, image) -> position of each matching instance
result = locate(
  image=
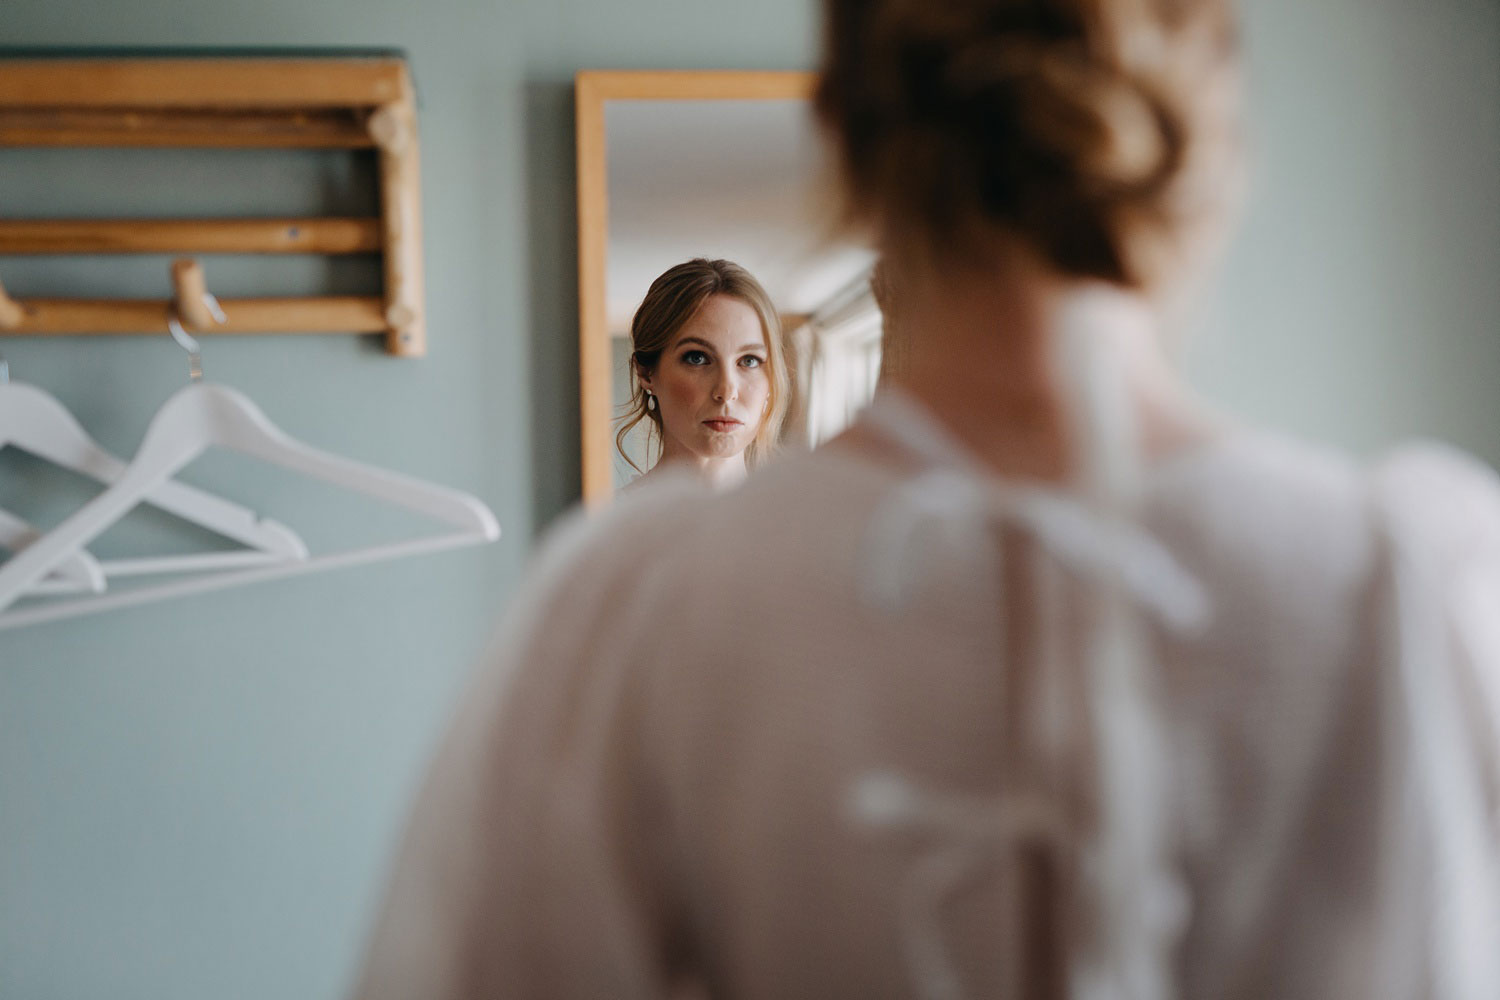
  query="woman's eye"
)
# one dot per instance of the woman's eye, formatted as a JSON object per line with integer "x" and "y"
{"x": 695, "y": 358}
{"x": 751, "y": 361}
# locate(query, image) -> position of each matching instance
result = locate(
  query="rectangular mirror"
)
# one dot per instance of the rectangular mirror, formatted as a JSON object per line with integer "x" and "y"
{"x": 677, "y": 165}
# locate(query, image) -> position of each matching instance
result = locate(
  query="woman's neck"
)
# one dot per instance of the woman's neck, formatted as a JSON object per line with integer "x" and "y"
{"x": 718, "y": 473}
{"x": 983, "y": 358}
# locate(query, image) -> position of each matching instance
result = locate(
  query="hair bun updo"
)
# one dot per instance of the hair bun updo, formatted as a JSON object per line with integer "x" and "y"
{"x": 1078, "y": 125}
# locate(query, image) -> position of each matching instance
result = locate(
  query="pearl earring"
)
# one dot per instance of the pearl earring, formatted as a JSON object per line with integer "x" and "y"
{"x": 650, "y": 402}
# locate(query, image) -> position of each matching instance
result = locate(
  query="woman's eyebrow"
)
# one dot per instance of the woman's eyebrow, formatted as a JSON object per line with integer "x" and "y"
{"x": 746, "y": 349}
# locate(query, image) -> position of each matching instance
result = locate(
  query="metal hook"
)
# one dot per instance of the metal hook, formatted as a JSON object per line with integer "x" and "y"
{"x": 215, "y": 308}
{"x": 190, "y": 343}
{"x": 189, "y": 292}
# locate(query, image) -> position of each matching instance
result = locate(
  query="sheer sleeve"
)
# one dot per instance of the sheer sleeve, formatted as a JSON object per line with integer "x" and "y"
{"x": 1441, "y": 513}
{"x": 530, "y": 867}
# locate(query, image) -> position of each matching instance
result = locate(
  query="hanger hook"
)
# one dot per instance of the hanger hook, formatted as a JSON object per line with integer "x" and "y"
{"x": 189, "y": 292}
{"x": 214, "y": 307}
{"x": 188, "y": 342}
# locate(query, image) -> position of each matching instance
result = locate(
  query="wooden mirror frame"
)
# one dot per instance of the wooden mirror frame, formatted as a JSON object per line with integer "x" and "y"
{"x": 591, "y": 89}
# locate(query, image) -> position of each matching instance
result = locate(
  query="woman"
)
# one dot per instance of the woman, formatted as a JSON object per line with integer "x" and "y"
{"x": 1040, "y": 682}
{"x": 708, "y": 376}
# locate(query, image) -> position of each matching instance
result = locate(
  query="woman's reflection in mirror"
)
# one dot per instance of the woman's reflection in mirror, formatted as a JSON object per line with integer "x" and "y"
{"x": 708, "y": 374}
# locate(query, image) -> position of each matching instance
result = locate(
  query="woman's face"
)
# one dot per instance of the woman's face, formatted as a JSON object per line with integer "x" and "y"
{"x": 712, "y": 384}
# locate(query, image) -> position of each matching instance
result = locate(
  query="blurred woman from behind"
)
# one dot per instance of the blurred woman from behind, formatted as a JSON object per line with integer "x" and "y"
{"x": 1043, "y": 680}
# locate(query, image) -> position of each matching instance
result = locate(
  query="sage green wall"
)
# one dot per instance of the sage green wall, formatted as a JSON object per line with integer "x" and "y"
{"x": 197, "y": 798}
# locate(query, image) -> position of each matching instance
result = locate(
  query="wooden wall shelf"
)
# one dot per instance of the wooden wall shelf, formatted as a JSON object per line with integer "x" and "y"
{"x": 225, "y": 102}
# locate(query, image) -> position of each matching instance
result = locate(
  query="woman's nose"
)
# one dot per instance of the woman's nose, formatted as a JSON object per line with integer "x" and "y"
{"x": 725, "y": 389}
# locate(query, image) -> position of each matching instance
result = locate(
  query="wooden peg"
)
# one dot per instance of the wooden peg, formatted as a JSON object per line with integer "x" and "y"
{"x": 11, "y": 313}
{"x": 191, "y": 294}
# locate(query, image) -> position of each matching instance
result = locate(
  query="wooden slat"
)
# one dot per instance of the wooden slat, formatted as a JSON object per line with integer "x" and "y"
{"x": 314, "y": 236}
{"x": 200, "y": 83}
{"x": 114, "y": 127}
{"x": 332, "y": 314}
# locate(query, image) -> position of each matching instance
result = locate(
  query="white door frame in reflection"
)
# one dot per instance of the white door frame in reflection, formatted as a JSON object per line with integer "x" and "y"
{"x": 592, "y": 88}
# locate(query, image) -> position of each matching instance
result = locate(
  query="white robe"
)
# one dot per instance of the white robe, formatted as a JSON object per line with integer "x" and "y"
{"x": 830, "y": 736}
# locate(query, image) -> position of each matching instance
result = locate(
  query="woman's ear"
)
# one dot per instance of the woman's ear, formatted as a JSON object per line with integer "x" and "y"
{"x": 645, "y": 381}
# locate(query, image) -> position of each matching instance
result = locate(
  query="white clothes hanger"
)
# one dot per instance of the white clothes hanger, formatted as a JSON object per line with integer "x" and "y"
{"x": 35, "y": 422}
{"x": 79, "y": 572}
{"x": 198, "y": 417}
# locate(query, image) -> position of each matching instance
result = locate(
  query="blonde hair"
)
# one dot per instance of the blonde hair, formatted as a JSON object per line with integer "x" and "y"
{"x": 1103, "y": 133}
{"x": 673, "y": 299}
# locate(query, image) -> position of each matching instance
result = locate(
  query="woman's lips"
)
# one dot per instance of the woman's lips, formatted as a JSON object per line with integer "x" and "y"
{"x": 723, "y": 425}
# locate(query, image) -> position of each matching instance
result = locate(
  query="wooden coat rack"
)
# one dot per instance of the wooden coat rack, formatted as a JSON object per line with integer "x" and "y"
{"x": 322, "y": 103}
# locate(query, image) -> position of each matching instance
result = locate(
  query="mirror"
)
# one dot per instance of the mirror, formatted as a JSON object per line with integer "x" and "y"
{"x": 677, "y": 165}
